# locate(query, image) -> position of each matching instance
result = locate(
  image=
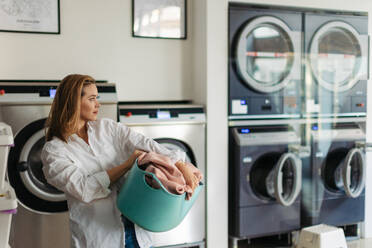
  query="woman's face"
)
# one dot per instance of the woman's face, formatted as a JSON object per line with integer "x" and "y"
{"x": 89, "y": 103}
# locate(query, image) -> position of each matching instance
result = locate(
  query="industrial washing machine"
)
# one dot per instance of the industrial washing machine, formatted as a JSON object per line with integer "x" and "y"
{"x": 175, "y": 126}
{"x": 264, "y": 62}
{"x": 265, "y": 164}
{"x": 334, "y": 177}
{"x": 42, "y": 219}
{"x": 337, "y": 53}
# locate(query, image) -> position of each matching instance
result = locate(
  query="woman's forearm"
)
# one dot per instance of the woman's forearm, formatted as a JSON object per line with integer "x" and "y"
{"x": 116, "y": 172}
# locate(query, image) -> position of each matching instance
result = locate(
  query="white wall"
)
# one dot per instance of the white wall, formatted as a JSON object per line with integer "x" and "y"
{"x": 210, "y": 75}
{"x": 216, "y": 87}
{"x": 96, "y": 39}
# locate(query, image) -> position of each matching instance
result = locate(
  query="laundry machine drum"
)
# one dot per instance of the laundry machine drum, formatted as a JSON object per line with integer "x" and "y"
{"x": 277, "y": 177}
{"x": 174, "y": 144}
{"x": 265, "y": 54}
{"x": 345, "y": 172}
{"x": 30, "y": 167}
{"x": 336, "y": 52}
{"x": 26, "y": 175}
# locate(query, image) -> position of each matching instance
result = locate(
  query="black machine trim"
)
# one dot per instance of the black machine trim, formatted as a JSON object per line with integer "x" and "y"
{"x": 43, "y": 90}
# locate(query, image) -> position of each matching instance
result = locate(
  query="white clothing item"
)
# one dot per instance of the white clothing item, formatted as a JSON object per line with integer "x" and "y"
{"x": 79, "y": 170}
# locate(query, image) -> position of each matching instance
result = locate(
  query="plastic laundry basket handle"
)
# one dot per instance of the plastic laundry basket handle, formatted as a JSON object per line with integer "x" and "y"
{"x": 146, "y": 173}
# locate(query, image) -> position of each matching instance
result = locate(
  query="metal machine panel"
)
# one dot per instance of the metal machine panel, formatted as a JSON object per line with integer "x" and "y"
{"x": 337, "y": 54}
{"x": 334, "y": 176}
{"x": 264, "y": 62}
{"x": 174, "y": 123}
{"x": 264, "y": 160}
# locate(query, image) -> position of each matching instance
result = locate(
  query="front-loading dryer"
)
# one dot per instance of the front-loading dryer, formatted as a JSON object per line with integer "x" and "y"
{"x": 333, "y": 180}
{"x": 177, "y": 125}
{"x": 264, "y": 181}
{"x": 336, "y": 48}
{"x": 264, "y": 62}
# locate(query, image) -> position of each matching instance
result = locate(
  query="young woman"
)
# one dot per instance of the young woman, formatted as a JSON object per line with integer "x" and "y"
{"x": 84, "y": 157}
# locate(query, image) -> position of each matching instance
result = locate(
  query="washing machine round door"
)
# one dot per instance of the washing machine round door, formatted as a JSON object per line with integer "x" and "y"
{"x": 26, "y": 175}
{"x": 265, "y": 54}
{"x": 174, "y": 144}
{"x": 350, "y": 175}
{"x": 284, "y": 181}
{"x": 337, "y": 56}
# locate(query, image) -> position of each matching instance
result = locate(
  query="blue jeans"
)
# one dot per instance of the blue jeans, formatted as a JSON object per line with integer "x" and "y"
{"x": 130, "y": 234}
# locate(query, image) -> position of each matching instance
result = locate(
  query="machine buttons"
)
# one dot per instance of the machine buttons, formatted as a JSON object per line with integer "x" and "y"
{"x": 2, "y": 92}
{"x": 319, "y": 154}
{"x": 239, "y": 106}
{"x": 247, "y": 160}
{"x": 44, "y": 93}
{"x": 266, "y": 107}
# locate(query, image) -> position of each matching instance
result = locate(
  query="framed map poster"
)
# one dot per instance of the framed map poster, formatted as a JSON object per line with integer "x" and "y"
{"x": 159, "y": 18}
{"x": 30, "y": 16}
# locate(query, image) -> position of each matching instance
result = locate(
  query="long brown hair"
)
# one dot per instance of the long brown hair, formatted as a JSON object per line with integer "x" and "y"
{"x": 64, "y": 114}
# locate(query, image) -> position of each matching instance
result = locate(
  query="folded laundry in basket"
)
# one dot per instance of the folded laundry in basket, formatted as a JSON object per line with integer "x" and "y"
{"x": 167, "y": 172}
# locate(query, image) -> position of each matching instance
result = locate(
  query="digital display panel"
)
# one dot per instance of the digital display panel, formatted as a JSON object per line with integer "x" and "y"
{"x": 163, "y": 115}
{"x": 245, "y": 130}
{"x": 52, "y": 93}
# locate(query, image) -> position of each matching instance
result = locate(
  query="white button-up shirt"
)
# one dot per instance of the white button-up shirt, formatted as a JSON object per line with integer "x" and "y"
{"x": 79, "y": 170}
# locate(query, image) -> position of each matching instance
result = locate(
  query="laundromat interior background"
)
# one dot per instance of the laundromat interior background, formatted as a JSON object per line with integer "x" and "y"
{"x": 96, "y": 39}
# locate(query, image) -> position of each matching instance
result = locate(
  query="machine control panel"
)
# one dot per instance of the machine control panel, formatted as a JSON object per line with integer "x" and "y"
{"x": 132, "y": 114}
{"x": 44, "y": 92}
{"x": 341, "y": 132}
{"x": 249, "y": 136}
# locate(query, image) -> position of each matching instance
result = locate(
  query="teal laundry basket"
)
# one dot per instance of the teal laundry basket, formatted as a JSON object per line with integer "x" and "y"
{"x": 155, "y": 210}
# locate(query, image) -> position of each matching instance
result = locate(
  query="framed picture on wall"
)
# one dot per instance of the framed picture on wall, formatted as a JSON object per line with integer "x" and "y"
{"x": 159, "y": 19}
{"x": 30, "y": 16}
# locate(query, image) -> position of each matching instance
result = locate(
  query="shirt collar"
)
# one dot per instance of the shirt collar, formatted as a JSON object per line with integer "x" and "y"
{"x": 74, "y": 136}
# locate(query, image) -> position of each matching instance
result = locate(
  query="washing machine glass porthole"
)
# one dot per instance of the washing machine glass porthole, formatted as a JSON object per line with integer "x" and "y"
{"x": 336, "y": 56}
{"x": 288, "y": 180}
{"x": 265, "y": 54}
{"x": 284, "y": 181}
{"x": 344, "y": 172}
{"x": 35, "y": 171}
{"x": 258, "y": 174}
{"x": 173, "y": 144}
{"x": 354, "y": 173}
{"x": 331, "y": 175}
{"x": 25, "y": 172}
{"x": 32, "y": 175}
{"x": 269, "y": 55}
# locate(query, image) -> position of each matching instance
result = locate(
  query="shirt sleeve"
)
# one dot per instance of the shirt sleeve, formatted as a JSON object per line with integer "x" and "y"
{"x": 131, "y": 140}
{"x": 62, "y": 173}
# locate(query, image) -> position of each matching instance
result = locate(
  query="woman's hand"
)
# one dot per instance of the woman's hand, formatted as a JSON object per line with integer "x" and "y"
{"x": 135, "y": 155}
{"x": 191, "y": 179}
{"x": 116, "y": 172}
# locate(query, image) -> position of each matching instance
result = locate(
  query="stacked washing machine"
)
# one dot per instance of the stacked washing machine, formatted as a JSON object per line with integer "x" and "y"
{"x": 297, "y": 104}
{"x": 336, "y": 72}
{"x": 265, "y": 164}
